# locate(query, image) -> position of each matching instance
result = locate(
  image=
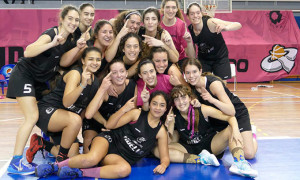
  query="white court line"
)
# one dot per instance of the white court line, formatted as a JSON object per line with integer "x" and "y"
{"x": 4, "y": 168}
{"x": 277, "y": 137}
{"x": 3, "y": 120}
{"x": 281, "y": 93}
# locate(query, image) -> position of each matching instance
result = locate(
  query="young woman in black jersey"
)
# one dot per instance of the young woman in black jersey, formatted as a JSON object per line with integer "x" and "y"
{"x": 197, "y": 135}
{"x": 206, "y": 33}
{"x": 102, "y": 38}
{"x": 27, "y": 80}
{"x": 210, "y": 90}
{"x": 61, "y": 110}
{"x": 132, "y": 137}
{"x": 160, "y": 57}
{"x": 154, "y": 36}
{"x": 102, "y": 107}
{"x": 124, "y": 23}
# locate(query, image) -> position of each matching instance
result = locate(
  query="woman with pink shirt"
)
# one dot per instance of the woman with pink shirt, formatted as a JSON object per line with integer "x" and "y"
{"x": 173, "y": 22}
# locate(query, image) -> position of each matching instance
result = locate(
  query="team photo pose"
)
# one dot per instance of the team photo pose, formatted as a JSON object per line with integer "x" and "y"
{"x": 60, "y": 111}
{"x": 149, "y": 81}
{"x": 125, "y": 22}
{"x": 173, "y": 22}
{"x": 102, "y": 107}
{"x": 211, "y": 91}
{"x": 160, "y": 57}
{"x": 196, "y": 134}
{"x": 154, "y": 36}
{"x": 27, "y": 80}
{"x": 132, "y": 137}
{"x": 206, "y": 34}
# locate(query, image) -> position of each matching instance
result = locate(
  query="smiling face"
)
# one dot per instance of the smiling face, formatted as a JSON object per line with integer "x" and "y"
{"x": 134, "y": 23}
{"x": 151, "y": 21}
{"x": 160, "y": 60}
{"x": 132, "y": 49}
{"x": 195, "y": 15}
{"x": 71, "y": 21}
{"x": 118, "y": 73}
{"x": 87, "y": 16}
{"x": 158, "y": 106}
{"x": 105, "y": 35}
{"x": 182, "y": 102}
{"x": 148, "y": 74}
{"x": 92, "y": 61}
{"x": 192, "y": 74}
{"x": 170, "y": 9}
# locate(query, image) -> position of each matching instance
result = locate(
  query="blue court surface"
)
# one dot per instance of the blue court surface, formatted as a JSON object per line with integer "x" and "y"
{"x": 277, "y": 159}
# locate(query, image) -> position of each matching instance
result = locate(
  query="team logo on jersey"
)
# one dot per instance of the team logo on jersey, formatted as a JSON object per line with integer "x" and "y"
{"x": 279, "y": 58}
{"x": 141, "y": 139}
{"x": 49, "y": 110}
{"x": 108, "y": 137}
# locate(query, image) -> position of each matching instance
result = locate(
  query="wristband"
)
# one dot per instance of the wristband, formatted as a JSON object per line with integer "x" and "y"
{"x": 83, "y": 87}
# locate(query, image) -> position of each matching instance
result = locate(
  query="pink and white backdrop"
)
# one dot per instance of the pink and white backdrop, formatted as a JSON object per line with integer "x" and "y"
{"x": 264, "y": 49}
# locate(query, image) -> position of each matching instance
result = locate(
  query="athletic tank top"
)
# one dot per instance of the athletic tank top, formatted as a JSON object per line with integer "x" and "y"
{"x": 239, "y": 106}
{"x": 55, "y": 97}
{"x": 113, "y": 104}
{"x": 44, "y": 66}
{"x": 186, "y": 136}
{"x": 211, "y": 46}
{"x": 135, "y": 140}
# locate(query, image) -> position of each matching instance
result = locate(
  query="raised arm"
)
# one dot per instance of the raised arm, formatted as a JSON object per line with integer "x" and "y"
{"x": 222, "y": 102}
{"x": 218, "y": 25}
{"x": 97, "y": 101}
{"x": 74, "y": 86}
{"x": 113, "y": 48}
{"x": 170, "y": 47}
{"x": 163, "y": 149}
{"x": 42, "y": 44}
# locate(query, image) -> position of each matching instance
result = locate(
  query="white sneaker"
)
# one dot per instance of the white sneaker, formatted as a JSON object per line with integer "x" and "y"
{"x": 243, "y": 168}
{"x": 208, "y": 159}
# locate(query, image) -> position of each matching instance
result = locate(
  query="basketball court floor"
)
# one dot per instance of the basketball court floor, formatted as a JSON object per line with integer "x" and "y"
{"x": 274, "y": 111}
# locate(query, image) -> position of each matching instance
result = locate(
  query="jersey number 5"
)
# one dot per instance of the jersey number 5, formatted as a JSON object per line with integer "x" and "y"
{"x": 27, "y": 88}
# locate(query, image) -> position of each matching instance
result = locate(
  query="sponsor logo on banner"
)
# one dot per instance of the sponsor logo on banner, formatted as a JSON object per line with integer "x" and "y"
{"x": 280, "y": 58}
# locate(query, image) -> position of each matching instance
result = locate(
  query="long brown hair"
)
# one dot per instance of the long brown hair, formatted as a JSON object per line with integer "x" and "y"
{"x": 181, "y": 90}
{"x": 178, "y": 14}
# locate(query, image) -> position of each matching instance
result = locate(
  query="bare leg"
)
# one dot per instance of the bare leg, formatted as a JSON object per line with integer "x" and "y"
{"x": 88, "y": 135}
{"x": 29, "y": 107}
{"x": 97, "y": 152}
{"x": 67, "y": 122}
{"x": 250, "y": 144}
{"x": 114, "y": 166}
{"x": 178, "y": 154}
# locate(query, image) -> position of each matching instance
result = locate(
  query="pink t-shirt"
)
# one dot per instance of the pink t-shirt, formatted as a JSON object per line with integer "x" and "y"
{"x": 163, "y": 84}
{"x": 177, "y": 32}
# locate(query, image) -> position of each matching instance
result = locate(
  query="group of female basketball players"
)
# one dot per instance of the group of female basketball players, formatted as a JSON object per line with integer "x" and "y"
{"x": 113, "y": 82}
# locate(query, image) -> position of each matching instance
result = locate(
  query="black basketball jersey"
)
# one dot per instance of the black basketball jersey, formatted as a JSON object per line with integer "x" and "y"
{"x": 211, "y": 46}
{"x": 239, "y": 106}
{"x": 186, "y": 136}
{"x": 135, "y": 140}
{"x": 77, "y": 34}
{"x": 44, "y": 66}
{"x": 55, "y": 97}
{"x": 113, "y": 104}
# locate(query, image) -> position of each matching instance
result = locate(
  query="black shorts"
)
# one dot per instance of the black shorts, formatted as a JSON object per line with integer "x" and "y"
{"x": 22, "y": 84}
{"x": 45, "y": 113}
{"x": 242, "y": 120}
{"x": 91, "y": 124}
{"x": 205, "y": 143}
{"x": 113, "y": 149}
{"x": 220, "y": 67}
